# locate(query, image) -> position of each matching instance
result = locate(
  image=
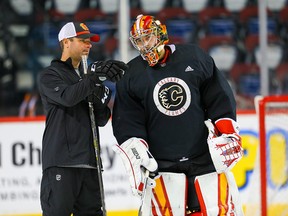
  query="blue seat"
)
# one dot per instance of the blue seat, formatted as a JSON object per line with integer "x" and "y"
{"x": 253, "y": 26}
{"x": 249, "y": 84}
{"x": 247, "y": 79}
{"x": 248, "y": 18}
{"x": 217, "y": 21}
{"x": 221, "y": 27}
{"x": 179, "y": 23}
{"x": 182, "y": 28}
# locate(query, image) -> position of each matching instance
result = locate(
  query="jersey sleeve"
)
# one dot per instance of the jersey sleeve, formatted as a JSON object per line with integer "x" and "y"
{"x": 217, "y": 95}
{"x": 128, "y": 116}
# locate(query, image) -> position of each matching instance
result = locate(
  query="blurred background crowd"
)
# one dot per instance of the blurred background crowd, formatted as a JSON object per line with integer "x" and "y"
{"x": 227, "y": 29}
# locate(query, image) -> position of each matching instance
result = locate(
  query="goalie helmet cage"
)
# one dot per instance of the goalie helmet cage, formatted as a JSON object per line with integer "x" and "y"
{"x": 273, "y": 136}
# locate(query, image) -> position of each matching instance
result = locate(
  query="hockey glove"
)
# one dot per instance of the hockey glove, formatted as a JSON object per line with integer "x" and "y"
{"x": 111, "y": 70}
{"x": 137, "y": 159}
{"x": 226, "y": 149}
{"x": 100, "y": 97}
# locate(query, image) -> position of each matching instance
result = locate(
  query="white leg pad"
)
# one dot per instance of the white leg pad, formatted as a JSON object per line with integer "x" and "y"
{"x": 218, "y": 194}
{"x": 170, "y": 195}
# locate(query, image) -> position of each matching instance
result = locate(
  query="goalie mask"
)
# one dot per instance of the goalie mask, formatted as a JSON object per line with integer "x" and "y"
{"x": 148, "y": 36}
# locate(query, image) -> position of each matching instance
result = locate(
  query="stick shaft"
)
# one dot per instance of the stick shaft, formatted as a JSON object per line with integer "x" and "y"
{"x": 145, "y": 206}
{"x": 95, "y": 142}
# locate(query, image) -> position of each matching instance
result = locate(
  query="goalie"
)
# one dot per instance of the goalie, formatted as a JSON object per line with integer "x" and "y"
{"x": 158, "y": 119}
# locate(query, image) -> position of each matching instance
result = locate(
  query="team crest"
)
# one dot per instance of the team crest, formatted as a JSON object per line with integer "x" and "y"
{"x": 83, "y": 26}
{"x": 172, "y": 96}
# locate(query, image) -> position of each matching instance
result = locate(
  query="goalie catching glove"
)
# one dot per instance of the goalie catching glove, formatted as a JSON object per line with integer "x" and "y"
{"x": 137, "y": 159}
{"x": 225, "y": 149}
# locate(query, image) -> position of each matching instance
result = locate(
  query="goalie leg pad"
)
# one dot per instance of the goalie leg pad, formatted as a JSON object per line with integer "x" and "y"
{"x": 170, "y": 195}
{"x": 218, "y": 194}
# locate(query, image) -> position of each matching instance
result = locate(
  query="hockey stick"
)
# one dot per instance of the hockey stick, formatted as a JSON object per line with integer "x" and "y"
{"x": 145, "y": 206}
{"x": 95, "y": 141}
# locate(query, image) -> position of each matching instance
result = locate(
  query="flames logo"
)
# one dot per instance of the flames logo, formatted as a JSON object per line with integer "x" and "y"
{"x": 83, "y": 26}
{"x": 172, "y": 96}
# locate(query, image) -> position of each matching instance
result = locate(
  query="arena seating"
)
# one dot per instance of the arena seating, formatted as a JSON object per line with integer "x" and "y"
{"x": 227, "y": 29}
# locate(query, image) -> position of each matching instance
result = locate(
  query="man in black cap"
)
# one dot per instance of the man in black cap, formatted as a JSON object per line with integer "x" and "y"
{"x": 70, "y": 179}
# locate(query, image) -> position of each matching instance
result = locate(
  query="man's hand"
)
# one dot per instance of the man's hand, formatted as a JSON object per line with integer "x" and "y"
{"x": 111, "y": 70}
{"x": 100, "y": 97}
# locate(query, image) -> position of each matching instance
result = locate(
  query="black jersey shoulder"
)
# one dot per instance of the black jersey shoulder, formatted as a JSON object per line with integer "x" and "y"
{"x": 193, "y": 55}
{"x": 191, "y": 51}
{"x": 136, "y": 64}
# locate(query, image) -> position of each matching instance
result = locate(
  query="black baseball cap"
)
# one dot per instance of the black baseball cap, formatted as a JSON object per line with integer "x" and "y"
{"x": 79, "y": 30}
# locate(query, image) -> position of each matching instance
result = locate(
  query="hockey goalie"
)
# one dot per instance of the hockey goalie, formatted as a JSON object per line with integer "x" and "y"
{"x": 175, "y": 165}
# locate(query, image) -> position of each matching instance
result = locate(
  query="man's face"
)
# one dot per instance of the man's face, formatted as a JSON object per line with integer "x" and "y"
{"x": 78, "y": 47}
{"x": 146, "y": 42}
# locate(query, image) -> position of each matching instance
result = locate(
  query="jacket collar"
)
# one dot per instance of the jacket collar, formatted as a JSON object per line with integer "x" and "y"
{"x": 67, "y": 63}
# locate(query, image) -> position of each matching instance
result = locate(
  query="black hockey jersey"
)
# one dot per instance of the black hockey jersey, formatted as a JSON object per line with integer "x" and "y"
{"x": 167, "y": 104}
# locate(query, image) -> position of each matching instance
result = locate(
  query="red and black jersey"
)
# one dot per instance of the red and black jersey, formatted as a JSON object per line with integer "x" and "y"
{"x": 167, "y": 104}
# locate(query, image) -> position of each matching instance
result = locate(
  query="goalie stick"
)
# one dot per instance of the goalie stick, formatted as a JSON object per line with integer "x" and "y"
{"x": 95, "y": 141}
{"x": 145, "y": 206}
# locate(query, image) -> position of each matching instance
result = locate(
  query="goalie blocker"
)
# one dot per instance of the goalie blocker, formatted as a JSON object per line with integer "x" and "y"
{"x": 136, "y": 159}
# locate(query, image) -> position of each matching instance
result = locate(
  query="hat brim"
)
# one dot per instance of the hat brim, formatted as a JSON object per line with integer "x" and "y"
{"x": 93, "y": 37}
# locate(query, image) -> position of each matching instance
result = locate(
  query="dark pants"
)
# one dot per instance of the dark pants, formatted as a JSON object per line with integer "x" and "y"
{"x": 70, "y": 190}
